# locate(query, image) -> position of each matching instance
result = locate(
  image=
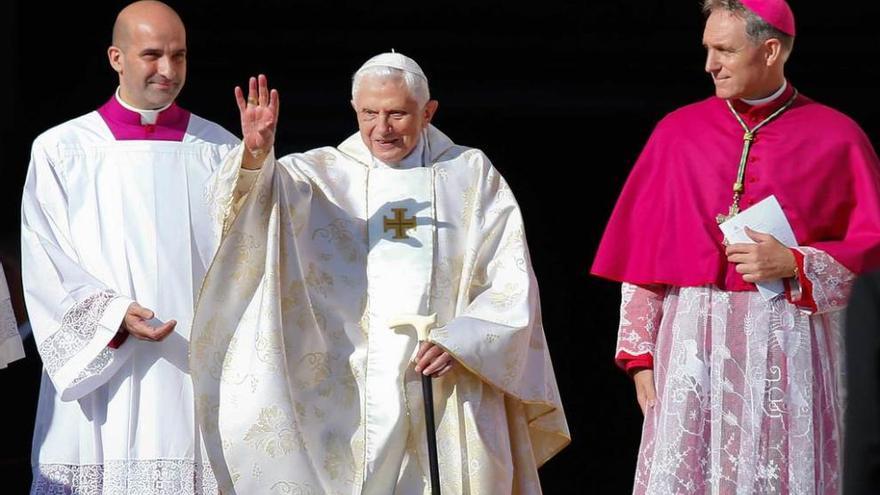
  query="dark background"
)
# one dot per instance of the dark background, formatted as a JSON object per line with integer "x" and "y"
{"x": 561, "y": 95}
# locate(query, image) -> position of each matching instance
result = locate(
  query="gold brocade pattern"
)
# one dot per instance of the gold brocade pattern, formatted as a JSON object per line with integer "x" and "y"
{"x": 339, "y": 237}
{"x": 275, "y": 433}
{"x": 506, "y": 297}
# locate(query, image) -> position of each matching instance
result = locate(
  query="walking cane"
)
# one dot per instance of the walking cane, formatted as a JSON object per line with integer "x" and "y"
{"x": 422, "y": 325}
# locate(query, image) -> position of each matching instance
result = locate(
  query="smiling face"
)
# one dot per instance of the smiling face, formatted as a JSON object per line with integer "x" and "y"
{"x": 149, "y": 54}
{"x": 390, "y": 120}
{"x": 740, "y": 67}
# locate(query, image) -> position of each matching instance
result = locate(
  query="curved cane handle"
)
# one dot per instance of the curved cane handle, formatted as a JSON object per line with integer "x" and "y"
{"x": 422, "y": 324}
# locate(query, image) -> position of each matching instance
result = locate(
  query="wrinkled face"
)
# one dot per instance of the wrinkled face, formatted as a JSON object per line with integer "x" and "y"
{"x": 389, "y": 119}
{"x": 738, "y": 65}
{"x": 151, "y": 64}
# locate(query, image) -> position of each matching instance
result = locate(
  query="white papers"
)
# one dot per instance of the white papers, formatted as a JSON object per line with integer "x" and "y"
{"x": 766, "y": 217}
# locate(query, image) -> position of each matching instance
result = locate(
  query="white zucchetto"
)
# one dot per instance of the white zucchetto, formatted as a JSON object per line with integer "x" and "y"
{"x": 397, "y": 61}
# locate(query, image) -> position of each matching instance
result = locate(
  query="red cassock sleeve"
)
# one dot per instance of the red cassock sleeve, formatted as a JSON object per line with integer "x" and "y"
{"x": 118, "y": 339}
{"x": 802, "y": 295}
{"x": 631, "y": 364}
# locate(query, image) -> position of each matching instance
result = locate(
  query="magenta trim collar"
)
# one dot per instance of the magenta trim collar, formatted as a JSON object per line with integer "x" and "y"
{"x": 126, "y": 125}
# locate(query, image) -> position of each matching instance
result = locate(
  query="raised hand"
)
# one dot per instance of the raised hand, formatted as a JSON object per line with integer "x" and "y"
{"x": 259, "y": 117}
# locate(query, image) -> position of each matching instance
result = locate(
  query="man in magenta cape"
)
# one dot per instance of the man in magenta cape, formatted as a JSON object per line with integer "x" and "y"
{"x": 742, "y": 394}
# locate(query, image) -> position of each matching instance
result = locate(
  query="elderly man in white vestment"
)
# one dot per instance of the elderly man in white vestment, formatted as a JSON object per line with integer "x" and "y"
{"x": 302, "y": 386}
{"x": 116, "y": 239}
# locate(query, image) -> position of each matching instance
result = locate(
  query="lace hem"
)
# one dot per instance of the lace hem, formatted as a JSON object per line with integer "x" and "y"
{"x": 134, "y": 477}
{"x": 78, "y": 327}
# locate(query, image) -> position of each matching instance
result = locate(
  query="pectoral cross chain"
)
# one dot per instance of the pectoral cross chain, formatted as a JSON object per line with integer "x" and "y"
{"x": 748, "y": 139}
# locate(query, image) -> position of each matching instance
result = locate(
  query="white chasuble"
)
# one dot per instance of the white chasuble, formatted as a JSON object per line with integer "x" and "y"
{"x": 300, "y": 385}
{"x": 104, "y": 223}
{"x": 11, "y": 348}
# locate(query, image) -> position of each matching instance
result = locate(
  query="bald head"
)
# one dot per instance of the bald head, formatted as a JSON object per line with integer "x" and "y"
{"x": 149, "y": 12}
{"x": 149, "y": 54}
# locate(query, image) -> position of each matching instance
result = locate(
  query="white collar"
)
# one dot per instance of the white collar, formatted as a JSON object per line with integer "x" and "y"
{"x": 768, "y": 99}
{"x": 148, "y": 117}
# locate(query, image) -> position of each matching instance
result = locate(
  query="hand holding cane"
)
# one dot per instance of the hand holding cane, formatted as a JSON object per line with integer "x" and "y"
{"x": 423, "y": 325}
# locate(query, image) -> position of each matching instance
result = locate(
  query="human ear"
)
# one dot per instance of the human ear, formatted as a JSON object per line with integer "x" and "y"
{"x": 772, "y": 51}
{"x": 114, "y": 55}
{"x": 430, "y": 108}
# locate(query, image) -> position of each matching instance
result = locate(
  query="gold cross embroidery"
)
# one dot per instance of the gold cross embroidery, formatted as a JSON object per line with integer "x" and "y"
{"x": 399, "y": 223}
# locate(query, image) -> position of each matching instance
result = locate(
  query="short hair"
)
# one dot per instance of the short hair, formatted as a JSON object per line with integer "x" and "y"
{"x": 415, "y": 84}
{"x": 758, "y": 30}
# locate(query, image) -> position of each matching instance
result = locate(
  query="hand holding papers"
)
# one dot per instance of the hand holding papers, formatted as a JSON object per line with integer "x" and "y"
{"x": 766, "y": 217}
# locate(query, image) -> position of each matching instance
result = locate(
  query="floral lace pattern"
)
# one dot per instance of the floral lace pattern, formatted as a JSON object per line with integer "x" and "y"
{"x": 134, "y": 477}
{"x": 78, "y": 327}
{"x": 831, "y": 281}
{"x": 640, "y": 313}
{"x": 96, "y": 367}
{"x": 11, "y": 348}
{"x": 8, "y": 326}
{"x": 749, "y": 391}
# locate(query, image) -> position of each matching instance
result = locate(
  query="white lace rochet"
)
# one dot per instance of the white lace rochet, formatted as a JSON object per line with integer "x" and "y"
{"x": 749, "y": 391}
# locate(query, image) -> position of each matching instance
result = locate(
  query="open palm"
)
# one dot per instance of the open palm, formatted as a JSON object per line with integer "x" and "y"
{"x": 259, "y": 115}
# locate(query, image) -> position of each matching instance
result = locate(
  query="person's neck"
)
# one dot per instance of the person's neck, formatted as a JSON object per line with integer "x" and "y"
{"x": 768, "y": 97}
{"x": 148, "y": 116}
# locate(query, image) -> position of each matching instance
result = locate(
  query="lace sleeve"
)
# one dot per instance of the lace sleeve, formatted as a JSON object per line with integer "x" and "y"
{"x": 10, "y": 341}
{"x": 73, "y": 313}
{"x": 641, "y": 308}
{"x": 11, "y": 348}
{"x": 76, "y": 355}
{"x": 830, "y": 281}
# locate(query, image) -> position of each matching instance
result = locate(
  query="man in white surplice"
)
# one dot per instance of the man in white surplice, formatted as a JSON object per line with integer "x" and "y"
{"x": 115, "y": 221}
{"x": 301, "y": 386}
